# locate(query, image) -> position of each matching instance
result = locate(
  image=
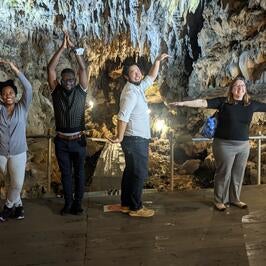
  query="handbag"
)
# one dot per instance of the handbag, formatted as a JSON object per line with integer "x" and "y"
{"x": 210, "y": 125}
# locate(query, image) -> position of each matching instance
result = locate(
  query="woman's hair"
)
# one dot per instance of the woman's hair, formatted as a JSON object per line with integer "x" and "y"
{"x": 8, "y": 83}
{"x": 230, "y": 98}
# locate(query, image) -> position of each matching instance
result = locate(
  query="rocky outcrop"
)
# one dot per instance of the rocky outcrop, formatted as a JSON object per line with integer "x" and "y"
{"x": 232, "y": 42}
{"x": 209, "y": 41}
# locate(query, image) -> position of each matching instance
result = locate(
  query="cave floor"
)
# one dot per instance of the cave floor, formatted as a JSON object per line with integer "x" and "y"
{"x": 186, "y": 230}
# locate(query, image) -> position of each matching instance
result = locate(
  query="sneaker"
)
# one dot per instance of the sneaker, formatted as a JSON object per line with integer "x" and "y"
{"x": 239, "y": 204}
{"x": 19, "y": 213}
{"x": 124, "y": 209}
{"x": 143, "y": 212}
{"x": 6, "y": 213}
{"x": 220, "y": 206}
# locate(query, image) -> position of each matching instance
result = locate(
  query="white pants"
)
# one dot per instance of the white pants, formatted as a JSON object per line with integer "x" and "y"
{"x": 14, "y": 165}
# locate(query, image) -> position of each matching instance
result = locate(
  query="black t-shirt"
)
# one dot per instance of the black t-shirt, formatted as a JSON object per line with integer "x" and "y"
{"x": 234, "y": 119}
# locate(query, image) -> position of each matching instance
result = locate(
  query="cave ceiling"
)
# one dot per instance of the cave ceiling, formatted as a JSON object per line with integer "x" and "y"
{"x": 210, "y": 42}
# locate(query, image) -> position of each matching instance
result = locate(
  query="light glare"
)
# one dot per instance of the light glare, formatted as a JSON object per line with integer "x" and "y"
{"x": 160, "y": 125}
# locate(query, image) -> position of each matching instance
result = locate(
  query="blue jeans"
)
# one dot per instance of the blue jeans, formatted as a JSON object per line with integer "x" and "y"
{"x": 71, "y": 156}
{"x": 136, "y": 150}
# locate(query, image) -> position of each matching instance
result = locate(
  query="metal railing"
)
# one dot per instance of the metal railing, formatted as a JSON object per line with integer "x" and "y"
{"x": 258, "y": 138}
{"x": 49, "y": 137}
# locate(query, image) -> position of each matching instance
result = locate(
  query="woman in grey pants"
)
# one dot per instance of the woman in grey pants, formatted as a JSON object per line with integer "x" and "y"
{"x": 13, "y": 146}
{"x": 231, "y": 140}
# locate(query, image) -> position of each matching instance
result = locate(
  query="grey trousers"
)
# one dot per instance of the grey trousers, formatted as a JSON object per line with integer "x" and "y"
{"x": 230, "y": 159}
{"x": 15, "y": 166}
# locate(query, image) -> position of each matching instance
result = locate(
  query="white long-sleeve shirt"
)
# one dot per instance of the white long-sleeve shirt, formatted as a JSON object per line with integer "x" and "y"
{"x": 134, "y": 109}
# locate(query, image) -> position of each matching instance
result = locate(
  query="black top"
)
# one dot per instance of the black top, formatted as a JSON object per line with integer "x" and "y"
{"x": 234, "y": 119}
{"x": 69, "y": 109}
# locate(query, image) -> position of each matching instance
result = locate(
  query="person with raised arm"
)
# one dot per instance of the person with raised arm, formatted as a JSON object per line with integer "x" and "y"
{"x": 133, "y": 132}
{"x": 13, "y": 145}
{"x": 69, "y": 97}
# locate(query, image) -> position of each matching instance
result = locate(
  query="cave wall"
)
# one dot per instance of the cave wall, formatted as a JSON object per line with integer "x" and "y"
{"x": 108, "y": 30}
{"x": 209, "y": 41}
{"x": 232, "y": 42}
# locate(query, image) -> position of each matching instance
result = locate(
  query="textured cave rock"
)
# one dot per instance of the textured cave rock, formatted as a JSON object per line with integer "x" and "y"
{"x": 209, "y": 41}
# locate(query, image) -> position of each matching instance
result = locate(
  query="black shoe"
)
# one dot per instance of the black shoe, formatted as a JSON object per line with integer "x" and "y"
{"x": 6, "y": 213}
{"x": 66, "y": 210}
{"x": 19, "y": 213}
{"x": 76, "y": 209}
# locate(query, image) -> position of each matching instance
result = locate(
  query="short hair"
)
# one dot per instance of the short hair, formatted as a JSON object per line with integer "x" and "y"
{"x": 8, "y": 83}
{"x": 127, "y": 66}
{"x": 67, "y": 71}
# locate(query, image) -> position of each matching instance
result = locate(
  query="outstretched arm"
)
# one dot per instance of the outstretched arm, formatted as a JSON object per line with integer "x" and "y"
{"x": 155, "y": 67}
{"x": 52, "y": 80}
{"x": 200, "y": 103}
{"x": 82, "y": 72}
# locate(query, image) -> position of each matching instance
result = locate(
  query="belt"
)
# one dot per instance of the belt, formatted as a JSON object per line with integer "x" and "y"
{"x": 72, "y": 137}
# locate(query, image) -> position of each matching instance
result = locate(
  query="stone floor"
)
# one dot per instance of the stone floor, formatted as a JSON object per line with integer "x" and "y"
{"x": 186, "y": 230}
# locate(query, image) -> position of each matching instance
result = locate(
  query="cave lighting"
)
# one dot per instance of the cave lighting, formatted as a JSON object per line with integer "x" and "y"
{"x": 160, "y": 125}
{"x": 91, "y": 104}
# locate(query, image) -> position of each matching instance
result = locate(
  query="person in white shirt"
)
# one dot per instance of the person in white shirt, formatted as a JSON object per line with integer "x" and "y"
{"x": 133, "y": 132}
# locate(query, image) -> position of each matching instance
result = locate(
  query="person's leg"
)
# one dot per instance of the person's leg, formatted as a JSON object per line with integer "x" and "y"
{"x": 65, "y": 166}
{"x": 6, "y": 212}
{"x": 125, "y": 183}
{"x": 16, "y": 167}
{"x": 224, "y": 156}
{"x": 139, "y": 155}
{"x": 136, "y": 155}
{"x": 238, "y": 172}
{"x": 78, "y": 156}
{"x": 3, "y": 164}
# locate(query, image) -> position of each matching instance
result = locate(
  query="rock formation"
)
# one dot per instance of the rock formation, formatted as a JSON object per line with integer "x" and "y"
{"x": 209, "y": 41}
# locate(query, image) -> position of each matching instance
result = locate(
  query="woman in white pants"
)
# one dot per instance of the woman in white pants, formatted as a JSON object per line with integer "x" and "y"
{"x": 13, "y": 146}
{"x": 231, "y": 140}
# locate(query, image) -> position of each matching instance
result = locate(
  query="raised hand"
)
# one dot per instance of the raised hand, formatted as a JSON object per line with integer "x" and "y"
{"x": 2, "y": 61}
{"x": 64, "y": 43}
{"x": 162, "y": 56}
{"x": 12, "y": 65}
{"x": 69, "y": 43}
